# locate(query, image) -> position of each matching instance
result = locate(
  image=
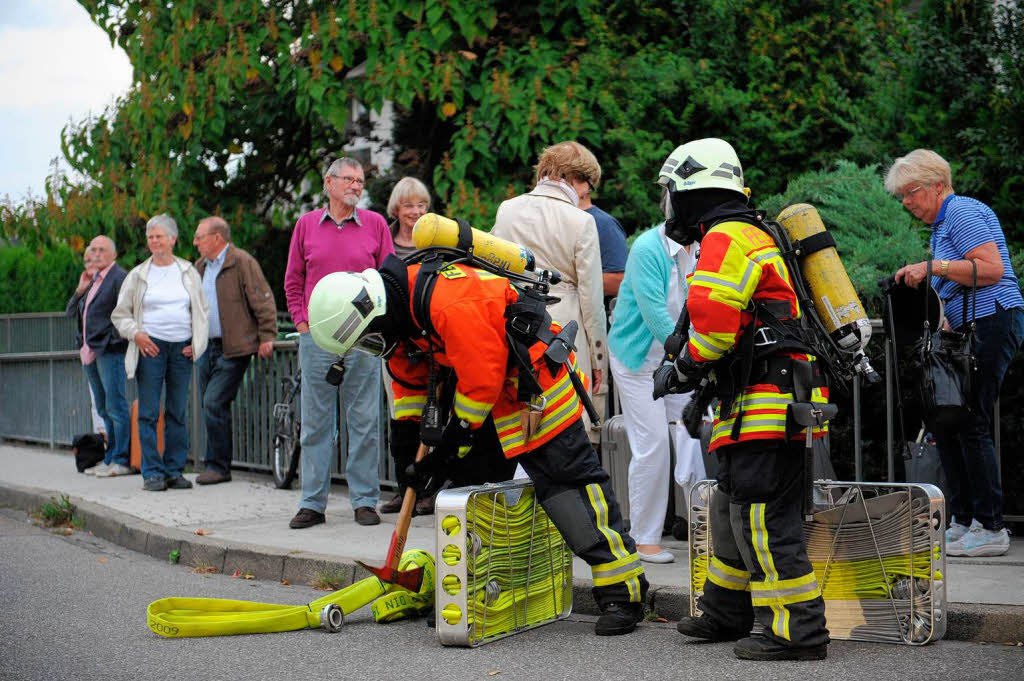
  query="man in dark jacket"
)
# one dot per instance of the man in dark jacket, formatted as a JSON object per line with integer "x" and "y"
{"x": 102, "y": 350}
{"x": 243, "y": 322}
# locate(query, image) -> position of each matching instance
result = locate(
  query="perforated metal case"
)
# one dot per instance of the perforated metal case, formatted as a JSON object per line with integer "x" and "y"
{"x": 502, "y": 566}
{"x": 860, "y": 541}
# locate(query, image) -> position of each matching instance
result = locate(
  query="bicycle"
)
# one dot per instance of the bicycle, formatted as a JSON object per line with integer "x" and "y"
{"x": 288, "y": 426}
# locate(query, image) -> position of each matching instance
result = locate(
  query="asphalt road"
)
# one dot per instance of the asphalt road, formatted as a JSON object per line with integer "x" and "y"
{"x": 73, "y": 607}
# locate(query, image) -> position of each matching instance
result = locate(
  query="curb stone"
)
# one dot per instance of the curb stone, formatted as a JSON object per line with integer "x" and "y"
{"x": 972, "y": 622}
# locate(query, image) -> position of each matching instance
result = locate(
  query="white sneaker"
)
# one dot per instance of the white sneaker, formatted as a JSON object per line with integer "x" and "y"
{"x": 955, "y": 531}
{"x": 115, "y": 469}
{"x": 98, "y": 469}
{"x": 979, "y": 542}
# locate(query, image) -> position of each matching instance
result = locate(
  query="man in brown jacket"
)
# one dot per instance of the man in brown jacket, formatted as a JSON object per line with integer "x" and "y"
{"x": 243, "y": 321}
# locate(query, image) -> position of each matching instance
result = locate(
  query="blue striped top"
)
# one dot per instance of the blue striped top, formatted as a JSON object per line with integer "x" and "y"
{"x": 962, "y": 225}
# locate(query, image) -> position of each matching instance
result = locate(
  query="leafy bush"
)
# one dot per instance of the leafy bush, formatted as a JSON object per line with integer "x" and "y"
{"x": 40, "y": 281}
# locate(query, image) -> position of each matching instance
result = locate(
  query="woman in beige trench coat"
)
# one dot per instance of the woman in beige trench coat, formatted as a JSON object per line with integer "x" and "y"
{"x": 562, "y": 237}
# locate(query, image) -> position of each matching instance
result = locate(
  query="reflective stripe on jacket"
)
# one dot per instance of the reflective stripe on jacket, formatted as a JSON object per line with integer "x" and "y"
{"x": 467, "y": 310}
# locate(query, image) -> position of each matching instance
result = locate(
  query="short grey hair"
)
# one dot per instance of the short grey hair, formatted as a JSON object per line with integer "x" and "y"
{"x": 164, "y": 222}
{"x": 923, "y": 166}
{"x": 110, "y": 242}
{"x": 218, "y": 225}
{"x": 407, "y": 188}
{"x": 343, "y": 162}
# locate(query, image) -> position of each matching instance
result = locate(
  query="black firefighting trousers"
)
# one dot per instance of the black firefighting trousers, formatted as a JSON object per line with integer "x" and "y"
{"x": 760, "y": 566}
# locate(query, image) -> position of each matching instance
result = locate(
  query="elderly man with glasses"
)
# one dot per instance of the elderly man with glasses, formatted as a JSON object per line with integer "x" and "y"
{"x": 243, "y": 322}
{"x": 337, "y": 238}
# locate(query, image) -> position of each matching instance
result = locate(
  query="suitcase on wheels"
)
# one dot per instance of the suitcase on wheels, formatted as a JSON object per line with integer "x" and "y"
{"x": 615, "y": 457}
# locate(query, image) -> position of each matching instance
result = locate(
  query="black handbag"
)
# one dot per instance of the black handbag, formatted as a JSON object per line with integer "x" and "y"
{"x": 947, "y": 368}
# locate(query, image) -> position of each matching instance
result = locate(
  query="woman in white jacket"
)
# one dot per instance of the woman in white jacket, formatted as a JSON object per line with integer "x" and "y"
{"x": 161, "y": 310}
{"x": 563, "y": 237}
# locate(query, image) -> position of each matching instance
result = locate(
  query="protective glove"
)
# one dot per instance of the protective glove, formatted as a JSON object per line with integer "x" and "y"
{"x": 682, "y": 376}
{"x": 426, "y": 476}
{"x": 456, "y": 441}
{"x": 688, "y": 372}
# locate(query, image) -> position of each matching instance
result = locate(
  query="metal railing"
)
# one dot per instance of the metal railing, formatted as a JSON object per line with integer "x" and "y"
{"x": 45, "y": 397}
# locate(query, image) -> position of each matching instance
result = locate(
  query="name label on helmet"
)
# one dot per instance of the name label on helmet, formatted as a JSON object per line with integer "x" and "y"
{"x": 451, "y": 272}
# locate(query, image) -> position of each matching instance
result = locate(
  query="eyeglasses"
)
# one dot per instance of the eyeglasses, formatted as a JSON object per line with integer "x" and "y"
{"x": 348, "y": 179}
{"x": 590, "y": 185}
{"x": 197, "y": 237}
{"x": 904, "y": 197}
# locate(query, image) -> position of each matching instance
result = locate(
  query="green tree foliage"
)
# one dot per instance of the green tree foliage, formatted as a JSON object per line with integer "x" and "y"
{"x": 238, "y": 103}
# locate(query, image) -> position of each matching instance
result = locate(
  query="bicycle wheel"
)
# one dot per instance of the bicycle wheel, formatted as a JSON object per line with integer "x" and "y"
{"x": 287, "y": 451}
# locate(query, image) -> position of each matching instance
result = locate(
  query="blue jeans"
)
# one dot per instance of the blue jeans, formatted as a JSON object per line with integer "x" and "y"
{"x": 360, "y": 397}
{"x": 171, "y": 370}
{"x": 219, "y": 378}
{"x": 969, "y": 458}
{"x": 107, "y": 380}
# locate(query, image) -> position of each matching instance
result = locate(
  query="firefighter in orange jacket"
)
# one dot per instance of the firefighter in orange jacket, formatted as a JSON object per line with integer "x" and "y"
{"x": 532, "y": 416}
{"x": 742, "y": 307}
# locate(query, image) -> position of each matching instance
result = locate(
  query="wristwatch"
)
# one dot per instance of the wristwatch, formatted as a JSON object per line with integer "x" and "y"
{"x": 943, "y": 267}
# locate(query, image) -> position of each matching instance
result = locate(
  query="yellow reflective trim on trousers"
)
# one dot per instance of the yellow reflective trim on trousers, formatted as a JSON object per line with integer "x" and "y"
{"x": 618, "y": 571}
{"x": 614, "y": 539}
{"x": 470, "y": 410}
{"x": 759, "y": 540}
{"x": 785, "y": 591}
{"x": 728, "y": 577}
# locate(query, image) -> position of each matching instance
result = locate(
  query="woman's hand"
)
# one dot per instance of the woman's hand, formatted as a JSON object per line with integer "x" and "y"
{"x": 597, "y": 381}
{"x": 187, "y": 351}
{"x": 912, "y": 275}
{"x": 146, "y": 345}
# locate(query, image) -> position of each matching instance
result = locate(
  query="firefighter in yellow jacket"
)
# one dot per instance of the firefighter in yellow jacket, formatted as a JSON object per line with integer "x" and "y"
{"x": 742, "y": 310}
{"x": 466, "y": 321}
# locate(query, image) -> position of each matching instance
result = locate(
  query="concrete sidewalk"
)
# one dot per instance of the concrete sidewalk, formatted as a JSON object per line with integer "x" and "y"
{"x": 244, "y": 526}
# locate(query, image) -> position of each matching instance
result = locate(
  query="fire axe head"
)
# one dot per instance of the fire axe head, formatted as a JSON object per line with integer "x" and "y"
{"x": 411, "y": 579}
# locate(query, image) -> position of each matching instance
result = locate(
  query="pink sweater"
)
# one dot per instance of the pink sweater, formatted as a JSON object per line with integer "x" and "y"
{"x": 319, "y": 248}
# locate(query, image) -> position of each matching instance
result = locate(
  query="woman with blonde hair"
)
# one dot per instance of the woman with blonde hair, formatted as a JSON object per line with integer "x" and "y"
{"x": 409, "y": 200}
{"x": 966, "y": 241}
{"x": 563, "y": 237}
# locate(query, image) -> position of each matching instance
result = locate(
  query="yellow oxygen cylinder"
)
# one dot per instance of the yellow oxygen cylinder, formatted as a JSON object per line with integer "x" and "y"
{"x": 434, "y": 230}
{"x": 835, "y": 299}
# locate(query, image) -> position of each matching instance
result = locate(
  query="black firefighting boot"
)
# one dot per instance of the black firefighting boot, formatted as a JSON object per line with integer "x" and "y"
{"x": 619, "y": 618}
{"x": 762, "y": 648}
{"x": 706, "y": 628}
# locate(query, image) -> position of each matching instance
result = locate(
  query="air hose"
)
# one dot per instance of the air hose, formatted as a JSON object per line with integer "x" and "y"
{"x": 185, "y": 617}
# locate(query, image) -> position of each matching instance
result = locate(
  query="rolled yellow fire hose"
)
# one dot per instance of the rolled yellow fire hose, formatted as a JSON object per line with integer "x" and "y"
{"x": 185, "y": 617}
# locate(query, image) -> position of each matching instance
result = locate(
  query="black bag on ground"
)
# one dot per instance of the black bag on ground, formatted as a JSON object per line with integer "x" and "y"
{"x": 921, "y": 462}
{"x": 947, "y": 370}
{"x": 89, "y": 450}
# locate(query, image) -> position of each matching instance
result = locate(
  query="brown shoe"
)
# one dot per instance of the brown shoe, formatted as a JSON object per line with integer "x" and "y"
{"x": 393, "y": 506}
{"x": 367, "y": 516}
{"x": 212, "y": 477}
{"x": 306, "y": 517}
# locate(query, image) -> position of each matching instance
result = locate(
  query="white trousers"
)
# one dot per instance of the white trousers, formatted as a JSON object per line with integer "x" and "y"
{"x": 648, "y": 432}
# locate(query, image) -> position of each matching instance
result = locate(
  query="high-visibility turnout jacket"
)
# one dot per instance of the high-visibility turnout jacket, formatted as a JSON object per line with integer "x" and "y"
{"x": 740, "y": 265}
{"x": 467, "y": 312}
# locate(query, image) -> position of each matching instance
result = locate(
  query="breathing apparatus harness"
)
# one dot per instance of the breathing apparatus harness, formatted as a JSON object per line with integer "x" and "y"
{"x": 756, "y": 357}
{"x": 527, "y": 322}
